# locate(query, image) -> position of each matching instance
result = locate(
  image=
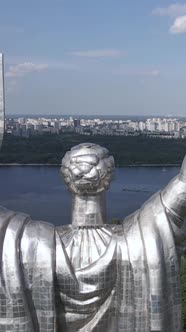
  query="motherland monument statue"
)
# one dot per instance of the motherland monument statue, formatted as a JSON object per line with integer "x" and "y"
{"x": 91, "y": 276}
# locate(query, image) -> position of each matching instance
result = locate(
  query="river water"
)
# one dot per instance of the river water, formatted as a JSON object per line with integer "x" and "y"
{"x": 40, "y": 191}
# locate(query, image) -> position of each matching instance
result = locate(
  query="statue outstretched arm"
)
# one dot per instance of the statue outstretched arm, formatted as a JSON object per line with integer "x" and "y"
{"x": 174, "y": 194}
{"x": 174, "y": 200}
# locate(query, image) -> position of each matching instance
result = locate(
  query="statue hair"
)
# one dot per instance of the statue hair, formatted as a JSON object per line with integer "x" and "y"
{"x": 87, "y": 169}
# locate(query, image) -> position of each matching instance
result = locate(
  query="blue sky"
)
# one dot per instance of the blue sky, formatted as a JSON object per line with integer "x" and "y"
{"x": 94, "y": 56}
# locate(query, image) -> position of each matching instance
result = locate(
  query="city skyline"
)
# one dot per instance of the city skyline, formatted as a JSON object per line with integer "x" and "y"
{"x": 150, "y": 127}
{"x": 104, "y": 57}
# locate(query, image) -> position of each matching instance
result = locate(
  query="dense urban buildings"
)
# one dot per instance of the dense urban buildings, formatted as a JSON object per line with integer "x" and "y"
{"x": 160, "y": 127}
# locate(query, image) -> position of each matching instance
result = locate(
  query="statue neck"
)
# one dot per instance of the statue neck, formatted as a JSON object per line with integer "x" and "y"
{"x": 88, "y": 210}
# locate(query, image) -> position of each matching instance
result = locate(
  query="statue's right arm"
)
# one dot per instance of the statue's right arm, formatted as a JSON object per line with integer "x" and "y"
{"x": 174, "y": 200}
{"x": 174, "y": 194}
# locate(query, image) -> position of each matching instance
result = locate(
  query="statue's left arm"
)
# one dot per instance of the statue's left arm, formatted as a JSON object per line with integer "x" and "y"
{"x": 174, "y": 200}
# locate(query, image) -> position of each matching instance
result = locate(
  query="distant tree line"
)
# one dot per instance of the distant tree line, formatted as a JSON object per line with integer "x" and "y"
{"x": 127, "y": 150}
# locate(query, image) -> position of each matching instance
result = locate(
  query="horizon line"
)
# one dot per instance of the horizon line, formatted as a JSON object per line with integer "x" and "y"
{"x": 97, "y": 115}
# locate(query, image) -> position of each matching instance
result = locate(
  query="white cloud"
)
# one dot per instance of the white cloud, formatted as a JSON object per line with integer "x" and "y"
{"x": 179, "y": 25}
{"x": 173, "y": 10}
{"x": 104, "y": 53}
{"x": 62, "y": 65}
{"x": 137, "y": 73}
{"x": 22, "y": 69}
{"x": 148, "y": 73}
{"x": 154, "y": 73}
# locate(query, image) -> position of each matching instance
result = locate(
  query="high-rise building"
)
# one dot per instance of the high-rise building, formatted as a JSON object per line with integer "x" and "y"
{"x": 2, "y": 104}
{"x": 77, "y": 123}
{"x": 141, "y": 126}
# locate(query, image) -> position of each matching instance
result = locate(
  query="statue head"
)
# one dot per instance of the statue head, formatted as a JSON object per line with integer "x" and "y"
{"x": 87, "y": 169}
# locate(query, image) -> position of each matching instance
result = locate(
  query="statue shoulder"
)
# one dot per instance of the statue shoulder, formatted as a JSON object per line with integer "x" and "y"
{"x": 39, "y": 230}
{"x": 18, "y": 224}
{"x": 154, "y": 202}
{"x": 8, "y": 219}
{"x": 37, "y": 244}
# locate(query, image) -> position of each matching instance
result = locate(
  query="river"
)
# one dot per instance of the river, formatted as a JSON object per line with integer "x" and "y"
{"x": 40, "y": 190}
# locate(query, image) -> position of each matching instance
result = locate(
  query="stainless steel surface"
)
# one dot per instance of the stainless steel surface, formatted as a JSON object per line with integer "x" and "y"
{"x": 91, "y": 276}
{"x": 2, "y": 102}
{"x": 87, "y": 171}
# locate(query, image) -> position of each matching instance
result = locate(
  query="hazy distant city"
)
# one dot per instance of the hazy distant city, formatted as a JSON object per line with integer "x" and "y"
{"x": 153, "y": 127}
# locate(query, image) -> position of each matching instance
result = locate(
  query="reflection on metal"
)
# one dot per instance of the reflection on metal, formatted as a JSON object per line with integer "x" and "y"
{"x": 87, "y": 171}
{"x": 90, "y": 276}
{"x": 1, "y": 98}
